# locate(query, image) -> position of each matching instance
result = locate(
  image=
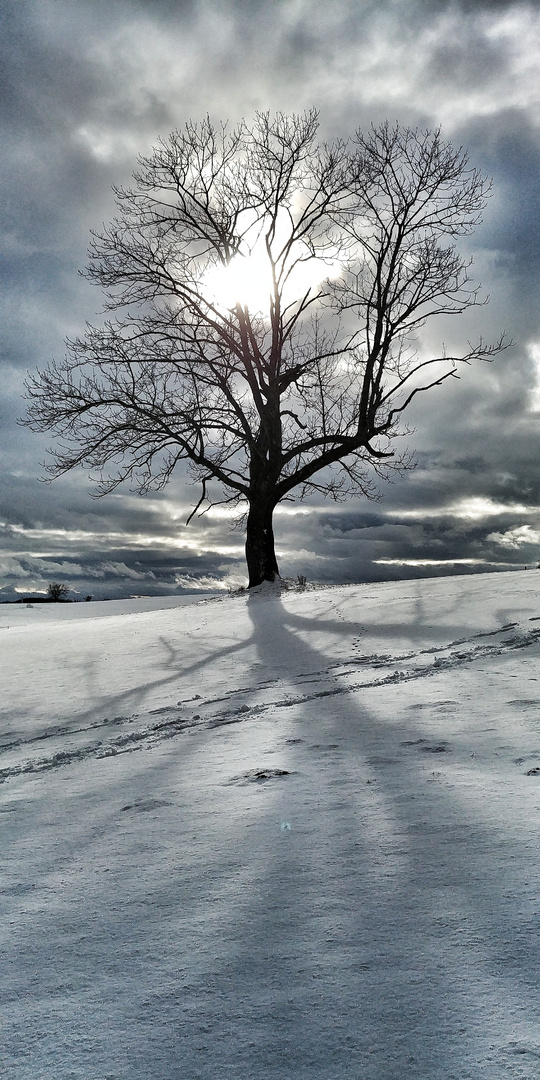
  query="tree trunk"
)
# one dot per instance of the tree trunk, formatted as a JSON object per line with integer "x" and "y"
{"x": 260, "y": 553}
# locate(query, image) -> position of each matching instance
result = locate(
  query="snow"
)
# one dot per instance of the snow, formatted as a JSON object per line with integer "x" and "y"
{"x": 274, "y": 836}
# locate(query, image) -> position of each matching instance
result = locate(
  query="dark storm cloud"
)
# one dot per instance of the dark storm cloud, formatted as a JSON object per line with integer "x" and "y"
{"x": 348, "y": 521}
{"x": 87, "y": 86}
{"x": 401, "y": 548}
{"x": 103, "y": 547}
{"x": 508, "y": 149}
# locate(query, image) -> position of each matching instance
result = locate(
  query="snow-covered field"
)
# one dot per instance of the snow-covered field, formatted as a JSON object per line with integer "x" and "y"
{"x": 290, "y": 838}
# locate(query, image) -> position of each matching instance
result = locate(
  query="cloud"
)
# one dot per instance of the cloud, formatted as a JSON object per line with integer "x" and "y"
{"x": 444, "y": 563}
{"x": 475, "y": 509}
{"x": 482, "y": 64}
{"x": 516, "y": 537}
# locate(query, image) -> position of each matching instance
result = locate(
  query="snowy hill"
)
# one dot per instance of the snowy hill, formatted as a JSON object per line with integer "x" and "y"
{"x": 272, "y": 836}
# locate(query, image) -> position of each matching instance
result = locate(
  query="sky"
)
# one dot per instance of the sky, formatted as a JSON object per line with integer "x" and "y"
{"x": 88, "y": 86}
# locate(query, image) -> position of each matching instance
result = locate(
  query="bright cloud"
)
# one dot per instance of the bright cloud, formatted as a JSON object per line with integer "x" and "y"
{"x": 516, "y": 537}
{"x": 533, "y": 350}
{"x": 469, "y": 509}
{"x": 430, "y": 562}
{"x": 196, "y": 584}
{"x": 396, "y": 63}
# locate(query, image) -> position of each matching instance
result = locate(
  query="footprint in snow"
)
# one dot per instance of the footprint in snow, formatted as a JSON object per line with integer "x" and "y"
{"x": 144, "y": 805}
{"x": 254, "y": 776}
{"x": 427, "y": 748}
{"x": 525, "y": 702}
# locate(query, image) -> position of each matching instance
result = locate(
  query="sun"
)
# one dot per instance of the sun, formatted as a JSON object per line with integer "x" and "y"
{"x": 247, "y": 280}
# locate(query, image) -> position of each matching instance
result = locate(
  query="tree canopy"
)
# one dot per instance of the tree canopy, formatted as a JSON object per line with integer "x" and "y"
{"x": 265, "y": 293}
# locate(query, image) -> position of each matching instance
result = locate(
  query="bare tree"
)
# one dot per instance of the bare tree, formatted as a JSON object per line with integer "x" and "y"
{"x": 57, "y": 591}
{"x": 268, "y": 292}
